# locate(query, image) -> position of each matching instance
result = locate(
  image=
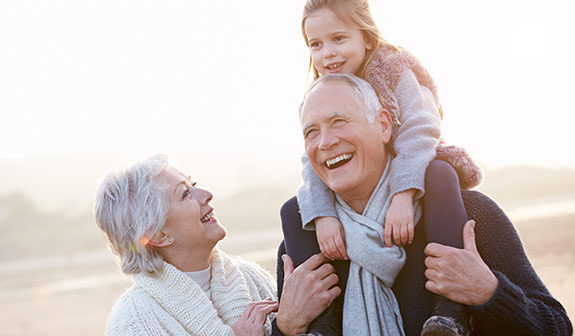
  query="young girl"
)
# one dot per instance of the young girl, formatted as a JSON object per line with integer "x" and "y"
{"x": 343, "y": 38}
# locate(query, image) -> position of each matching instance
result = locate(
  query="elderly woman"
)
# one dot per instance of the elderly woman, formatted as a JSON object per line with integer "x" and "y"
{"x": 165, "y": 233}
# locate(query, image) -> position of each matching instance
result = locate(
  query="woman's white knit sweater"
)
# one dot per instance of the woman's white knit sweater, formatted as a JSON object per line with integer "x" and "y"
{"x": 171, "y": 303}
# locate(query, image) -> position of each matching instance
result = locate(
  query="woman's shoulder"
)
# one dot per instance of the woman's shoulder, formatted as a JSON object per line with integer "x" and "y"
{"x": 250, "y": 268}
{"x": 121, "y": 319}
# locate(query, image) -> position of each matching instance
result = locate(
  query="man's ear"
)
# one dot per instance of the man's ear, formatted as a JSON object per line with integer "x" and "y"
{"x": 384, "y": 119}
{"x": 161, "y": 239}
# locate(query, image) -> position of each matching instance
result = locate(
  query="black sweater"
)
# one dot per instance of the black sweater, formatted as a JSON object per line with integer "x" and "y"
{"x": 521, "y": 305}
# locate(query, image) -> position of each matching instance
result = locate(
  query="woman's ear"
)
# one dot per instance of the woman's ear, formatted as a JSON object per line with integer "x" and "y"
{"x": 161, "y": 239}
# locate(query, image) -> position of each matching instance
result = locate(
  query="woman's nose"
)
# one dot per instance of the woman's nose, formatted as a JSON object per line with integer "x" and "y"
{"x": 205, "y": 196}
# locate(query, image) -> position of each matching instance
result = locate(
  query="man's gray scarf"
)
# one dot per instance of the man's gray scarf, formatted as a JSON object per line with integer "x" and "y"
{"x": 370, "y": 307}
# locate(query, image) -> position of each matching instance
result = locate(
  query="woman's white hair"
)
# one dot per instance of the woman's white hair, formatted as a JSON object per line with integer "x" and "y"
{"x": 364, "y": 94}
{"x": 131, "y": 205}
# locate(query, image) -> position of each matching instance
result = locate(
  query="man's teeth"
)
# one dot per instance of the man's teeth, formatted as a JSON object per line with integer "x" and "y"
{"x": 337, "y": 159}
{"x": 207, "y": 217}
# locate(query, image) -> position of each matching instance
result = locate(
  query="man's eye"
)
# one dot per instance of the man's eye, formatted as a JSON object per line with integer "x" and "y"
{"x": 310, "y": 133}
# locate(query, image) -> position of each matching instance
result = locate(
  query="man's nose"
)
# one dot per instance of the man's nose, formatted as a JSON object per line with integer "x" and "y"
{"x": 328, "y": 139}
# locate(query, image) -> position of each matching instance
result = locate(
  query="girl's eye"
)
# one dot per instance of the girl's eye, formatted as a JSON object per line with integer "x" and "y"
{"x": 314, "y": 44}
{"x": 339, "y": 38}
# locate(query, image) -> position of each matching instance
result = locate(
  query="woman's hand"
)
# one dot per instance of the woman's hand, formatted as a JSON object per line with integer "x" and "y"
{"x": 399, "y": 219}
{"x": 331, "y": 238}
{"x": 251, "y": 323}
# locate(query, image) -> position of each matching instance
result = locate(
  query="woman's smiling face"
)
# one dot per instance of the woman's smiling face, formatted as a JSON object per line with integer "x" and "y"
{"x": 190, "y": 219}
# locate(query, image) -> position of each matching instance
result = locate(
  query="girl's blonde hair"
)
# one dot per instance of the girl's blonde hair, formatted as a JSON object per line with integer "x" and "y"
{"x": 355, "y": 12}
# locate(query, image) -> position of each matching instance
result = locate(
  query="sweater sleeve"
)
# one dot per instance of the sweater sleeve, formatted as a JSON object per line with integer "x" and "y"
{"x": 521, "y": 305}
{"x": 417, "y": 136}
{"x": 315, "y": 198}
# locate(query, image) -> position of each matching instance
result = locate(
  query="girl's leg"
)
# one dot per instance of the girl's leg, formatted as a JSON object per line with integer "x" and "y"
{"x": 444, "y": 214}
{"x": 300, "y": 244}
{"x": 444, "y": 218}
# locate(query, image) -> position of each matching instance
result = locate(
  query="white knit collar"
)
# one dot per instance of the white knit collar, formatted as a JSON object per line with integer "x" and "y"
{"x": 202, "y": 278}
{"x": 181, "y": 297}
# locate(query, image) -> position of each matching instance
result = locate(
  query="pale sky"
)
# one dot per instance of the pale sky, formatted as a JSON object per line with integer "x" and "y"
{"x": 224, "y": 78}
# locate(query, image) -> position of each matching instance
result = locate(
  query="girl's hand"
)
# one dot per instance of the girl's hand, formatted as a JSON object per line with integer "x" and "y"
{"x": 331, "y": 238}
{"x": 399, "y": 219}
{"x": 251, "y": 323}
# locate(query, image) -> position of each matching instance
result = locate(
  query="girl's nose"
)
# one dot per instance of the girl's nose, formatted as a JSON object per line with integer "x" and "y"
{"x": 328, "y": 52}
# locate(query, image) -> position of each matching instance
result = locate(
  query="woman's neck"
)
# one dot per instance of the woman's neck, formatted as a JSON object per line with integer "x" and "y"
{"x": 188, "y": 261}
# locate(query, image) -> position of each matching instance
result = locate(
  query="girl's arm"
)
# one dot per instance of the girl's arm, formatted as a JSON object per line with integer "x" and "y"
{"x": 315, "y": 198}
{"x": 417, "y": 136}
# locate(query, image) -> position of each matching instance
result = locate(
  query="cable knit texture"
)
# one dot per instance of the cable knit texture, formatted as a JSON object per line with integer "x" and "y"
{"x": 173, "y": 304}
{"x": 521, "y": 305}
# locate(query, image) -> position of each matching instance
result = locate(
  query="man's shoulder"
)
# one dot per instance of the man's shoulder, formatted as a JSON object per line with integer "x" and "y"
{"x": 480, "y": 205}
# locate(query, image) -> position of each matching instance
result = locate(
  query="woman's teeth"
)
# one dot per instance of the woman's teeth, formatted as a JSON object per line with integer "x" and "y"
{"x": 207, "y": 217}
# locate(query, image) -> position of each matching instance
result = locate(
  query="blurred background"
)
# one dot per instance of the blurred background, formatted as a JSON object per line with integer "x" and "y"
{"x": 89, "y": 86}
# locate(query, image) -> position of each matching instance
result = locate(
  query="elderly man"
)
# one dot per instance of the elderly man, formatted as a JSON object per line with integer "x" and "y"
{"x": 491, "y": 274}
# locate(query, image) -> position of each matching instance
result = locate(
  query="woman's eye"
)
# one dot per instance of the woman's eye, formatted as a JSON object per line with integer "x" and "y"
{"x": 186, "y": 192}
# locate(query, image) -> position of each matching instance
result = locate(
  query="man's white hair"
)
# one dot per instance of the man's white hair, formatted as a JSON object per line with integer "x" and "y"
{"x": 363, "y": 93}
{"x": 131, "y": 205}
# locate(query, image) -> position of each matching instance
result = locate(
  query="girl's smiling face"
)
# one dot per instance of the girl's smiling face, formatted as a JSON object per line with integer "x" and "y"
{"x": 335, "y": 46}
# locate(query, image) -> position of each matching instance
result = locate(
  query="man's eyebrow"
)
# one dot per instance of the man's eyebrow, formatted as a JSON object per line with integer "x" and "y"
{"x": 336, "y": 114}
{"x": 309, "y": 124}
{"x": 329, "y": 117}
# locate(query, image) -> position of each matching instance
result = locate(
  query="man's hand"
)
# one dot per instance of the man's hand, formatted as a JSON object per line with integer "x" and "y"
{"x": 399, "y": 219}
{"x": 308, "y": 291}
{"x": 460, "y": 274}
{"x": 331, "y": 238}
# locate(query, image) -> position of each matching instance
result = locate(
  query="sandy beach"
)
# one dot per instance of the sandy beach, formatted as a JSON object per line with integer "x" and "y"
{"x": 73, "y": 294}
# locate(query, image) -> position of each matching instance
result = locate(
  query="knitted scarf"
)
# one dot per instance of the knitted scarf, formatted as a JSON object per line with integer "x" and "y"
{"x": 370, "y": 307}
{"x": 187, "y": 304}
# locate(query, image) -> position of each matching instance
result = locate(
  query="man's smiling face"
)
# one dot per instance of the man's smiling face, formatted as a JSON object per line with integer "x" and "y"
{"x": 345, "y": 149}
